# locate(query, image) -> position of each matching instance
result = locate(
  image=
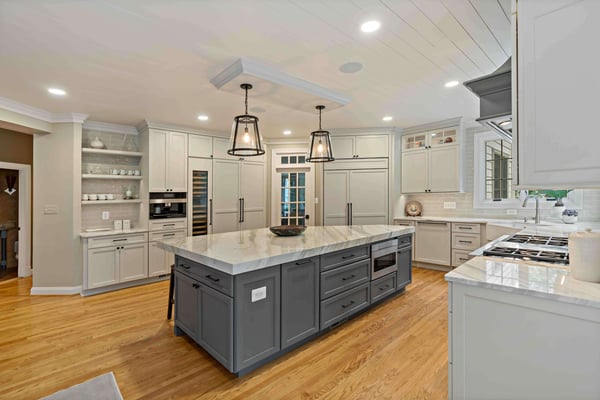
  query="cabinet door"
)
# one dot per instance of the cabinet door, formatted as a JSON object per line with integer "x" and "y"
{"x": 558, "y": 86}
{"x": 443, "y": 169}
{"x": 133, "y": 262}
{"x": 177, "y": 162}
{"x": 371, "y": 146}
{"x": 200, "y": 146}
{"x": 226, "y": 196}
{"x": 220, "y": 147}
{"x": 186, "y": 306}
{"x": 102, "y": 267}
{"x": 433, "y": 242}
{"x": 215, "y": 333}
{"x": 157, "y": 260}
{"x": 158, "y": 161}
{"x": 253, "y": 191}
{"x": 404, "y": 260}
{"x": 414, "y": 171}
{"x": 342, "y": 146}
{"x": 299, "y": 300}
{"x": 335, "y": 197}
{"x": 369, "y": 197}
{"x": 257, "y": 310}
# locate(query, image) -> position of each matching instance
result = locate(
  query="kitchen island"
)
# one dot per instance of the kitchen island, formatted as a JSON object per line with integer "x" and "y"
{"x": 248, "y": 297}
{"x": 522, "y": 330}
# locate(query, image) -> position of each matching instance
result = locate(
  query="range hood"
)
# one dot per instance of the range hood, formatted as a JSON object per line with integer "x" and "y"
{"x": 495, "y": 100}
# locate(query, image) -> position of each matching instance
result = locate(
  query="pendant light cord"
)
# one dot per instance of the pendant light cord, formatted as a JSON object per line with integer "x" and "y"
{"x": 246, "y": 102}
{"x": 320, "y": 119}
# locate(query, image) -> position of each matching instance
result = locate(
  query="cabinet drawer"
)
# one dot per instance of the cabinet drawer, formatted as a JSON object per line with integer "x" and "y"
{"x": 342, "y": 306}
{"x": 116, "y": 240}
{"x": 338, "y": 258}
{"x": 404, "y": 223}
{"x": 163, "y": 224}
{"x": 466, "y": 228}
{"x": 210, "y": 277}
{"x": 339, "y": 279}
{"x": 459, "y": 257}
{"x": 465, "y": 241}
{"x": 404, "y": 241}
{"x": 180, "y": 233}
{"x": 383, "y": 287}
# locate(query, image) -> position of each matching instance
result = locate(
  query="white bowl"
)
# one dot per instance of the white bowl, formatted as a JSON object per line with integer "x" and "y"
{"x": 569, "y": 219}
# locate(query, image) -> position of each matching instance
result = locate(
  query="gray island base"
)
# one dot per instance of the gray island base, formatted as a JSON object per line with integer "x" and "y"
{"x": 249, "y": 297}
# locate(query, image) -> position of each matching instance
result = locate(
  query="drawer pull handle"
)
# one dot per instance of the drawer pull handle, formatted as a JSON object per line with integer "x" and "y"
{"x": 168, "y": 224}
{"x": 348, "y": 277}
{"x": 120, "y": 240}
{"x": 195, "y": 286}
{"x": 347, "y": 257}
{"x": 384, "y": 287}
{"x": 184, "y": 266}
{"x": 213, "y": 279}
{"x": 465, "y": 227}
{"x": 168, "y": 234}
{"x": 465, "y": 241}
{"x": 303, "y": 262}
{"x": 348, "y": 305}
{"x": 463, "y": 259}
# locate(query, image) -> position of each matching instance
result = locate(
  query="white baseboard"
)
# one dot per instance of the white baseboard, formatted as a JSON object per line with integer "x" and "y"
{"x": 55, "y": 291}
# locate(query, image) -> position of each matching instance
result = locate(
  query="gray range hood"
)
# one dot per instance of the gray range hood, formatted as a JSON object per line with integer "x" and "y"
{"x": 495, "y": 99}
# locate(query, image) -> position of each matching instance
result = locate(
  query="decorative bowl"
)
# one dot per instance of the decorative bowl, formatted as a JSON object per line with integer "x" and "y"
{"x": 288, "y": 230}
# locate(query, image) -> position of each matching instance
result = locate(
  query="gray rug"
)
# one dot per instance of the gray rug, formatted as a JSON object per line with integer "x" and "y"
{"x": 103, "y": 387}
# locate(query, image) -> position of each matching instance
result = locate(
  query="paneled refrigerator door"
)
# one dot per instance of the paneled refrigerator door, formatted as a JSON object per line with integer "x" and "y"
{"x": 200, "y": 193}
{"x": 227, "y": 202}
{"x": 369, "y": 197}
{"x": 336, "y": 197}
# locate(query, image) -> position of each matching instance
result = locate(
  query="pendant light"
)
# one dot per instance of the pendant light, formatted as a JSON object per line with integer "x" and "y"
{"x": 320, "y": 144}
{"x": 245, "y": 138}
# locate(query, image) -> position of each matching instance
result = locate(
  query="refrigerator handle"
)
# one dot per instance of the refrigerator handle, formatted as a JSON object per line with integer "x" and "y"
{"x": 243, "y": 209}
{"x": 240, "y": 210}
{"x": 350, "y": 214}
{"x": 210, "y": 211}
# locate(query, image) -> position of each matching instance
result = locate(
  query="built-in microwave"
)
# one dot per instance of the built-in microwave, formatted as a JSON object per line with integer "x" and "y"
{"x": 383, "y": 258}
{"x": 167, "y": 205}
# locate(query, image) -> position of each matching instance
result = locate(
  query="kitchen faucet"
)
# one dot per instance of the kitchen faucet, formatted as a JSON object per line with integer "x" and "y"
{"x": 537, "y": 206}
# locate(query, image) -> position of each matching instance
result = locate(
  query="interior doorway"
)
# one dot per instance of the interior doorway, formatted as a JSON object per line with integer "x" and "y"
{"x": 17, "y": 235}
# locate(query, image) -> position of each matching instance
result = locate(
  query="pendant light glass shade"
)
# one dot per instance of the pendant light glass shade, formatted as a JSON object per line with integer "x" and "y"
{"x": 320, "y": 144}
{"x": 245, "y": 137}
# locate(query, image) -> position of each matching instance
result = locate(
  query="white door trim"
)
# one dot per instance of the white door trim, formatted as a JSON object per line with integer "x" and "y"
{"x": 24, "y": 193}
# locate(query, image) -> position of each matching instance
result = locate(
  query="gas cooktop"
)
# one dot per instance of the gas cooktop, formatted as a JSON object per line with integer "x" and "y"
{"x": 550, "y": 249}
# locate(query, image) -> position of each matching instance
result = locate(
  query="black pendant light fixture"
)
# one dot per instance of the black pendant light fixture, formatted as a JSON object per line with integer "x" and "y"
{"x": 245, "y": 138}
{"x": 320, "y": 144}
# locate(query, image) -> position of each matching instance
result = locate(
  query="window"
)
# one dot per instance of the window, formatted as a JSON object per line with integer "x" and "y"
{"x": 293, "y": 198}
{"x": 498, "y": 170}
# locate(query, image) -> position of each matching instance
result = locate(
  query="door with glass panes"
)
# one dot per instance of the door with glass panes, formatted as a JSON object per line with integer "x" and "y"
{"x": 293, "y": 182}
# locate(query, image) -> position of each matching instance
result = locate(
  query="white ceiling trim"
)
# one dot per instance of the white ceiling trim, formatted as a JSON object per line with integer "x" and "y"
{"x": 446, "y": 123}
{"x": 38, "y": 113}
{"x": 145, "y": 125}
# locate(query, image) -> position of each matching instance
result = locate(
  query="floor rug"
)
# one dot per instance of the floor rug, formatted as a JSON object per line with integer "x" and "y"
{"x": 103, "y": 387}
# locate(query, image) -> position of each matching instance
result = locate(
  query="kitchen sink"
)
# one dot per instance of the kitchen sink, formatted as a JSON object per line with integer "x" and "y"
{"x": 529, "y": 224}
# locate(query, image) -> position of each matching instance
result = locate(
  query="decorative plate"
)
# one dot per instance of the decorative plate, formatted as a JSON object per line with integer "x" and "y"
{"x": 288, "y": 230}
{"x": 413, "y": 208}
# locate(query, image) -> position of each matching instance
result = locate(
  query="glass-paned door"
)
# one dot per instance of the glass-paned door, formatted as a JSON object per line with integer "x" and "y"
{"x": 292, "y": 200}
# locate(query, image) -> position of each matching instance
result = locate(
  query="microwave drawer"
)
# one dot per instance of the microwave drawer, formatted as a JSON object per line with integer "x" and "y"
{"x": 337, "y": 280}
{"x": 342, "y": 306}
{"x": 210, "y": 277}
{"x": 342, "y": 257}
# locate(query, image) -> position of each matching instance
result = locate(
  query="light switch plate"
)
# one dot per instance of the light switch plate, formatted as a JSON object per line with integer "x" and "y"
{"x": 105, "y": 215}
{"x": 511, "y": 211}
{"x": 259, "y": 294}
{"x": 449, "y": 204}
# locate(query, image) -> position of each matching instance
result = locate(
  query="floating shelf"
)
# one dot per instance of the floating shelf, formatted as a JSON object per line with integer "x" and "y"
{"x": 104, "y": 176}
{"x": 87, "y": 202}
{"x": 112, "y": 152}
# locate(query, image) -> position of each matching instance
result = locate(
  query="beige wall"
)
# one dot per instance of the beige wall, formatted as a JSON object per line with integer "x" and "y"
{"x": 16, "y": 147}
{"x": 57, "y": 259}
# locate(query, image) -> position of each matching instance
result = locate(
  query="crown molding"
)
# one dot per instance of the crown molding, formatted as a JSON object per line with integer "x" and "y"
{"x": 108, "y": 127}
{"x": 445, "y": 123}
{"x": 287, "y": 141}
{"x": 38, "y": 113}
{"x": 145, "y": 125}
{"x": 362, "y": 131}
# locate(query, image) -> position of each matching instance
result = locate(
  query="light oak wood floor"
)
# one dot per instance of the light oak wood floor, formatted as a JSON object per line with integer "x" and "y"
{"x": 397, "y": 350}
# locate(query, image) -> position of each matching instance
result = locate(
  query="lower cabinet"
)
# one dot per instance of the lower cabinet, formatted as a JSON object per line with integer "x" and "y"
{"x": 383, "y": 287}
{"x": 404, "y": 260}
{"x": 186, "y": 306}
{"x": 216, "y": 325}
{"x": 342, "y": 306}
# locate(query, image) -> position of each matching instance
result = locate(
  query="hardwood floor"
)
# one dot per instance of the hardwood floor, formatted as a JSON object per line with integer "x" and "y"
{"x": 396, "y": 351}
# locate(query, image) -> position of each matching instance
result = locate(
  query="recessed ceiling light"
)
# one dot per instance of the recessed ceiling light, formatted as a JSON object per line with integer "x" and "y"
{"x": 203, "y": 117}
{"x": 58, "y": 92}
{"x": 387, "y": 118}
{"x": 351, "y": 67}
{"x": 370, "y": 26}
{"x": 451, "y": 83}
{"x": 287, "y": 132}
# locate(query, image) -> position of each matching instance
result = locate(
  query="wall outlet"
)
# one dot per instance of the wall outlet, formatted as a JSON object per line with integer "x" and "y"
{"x": 105, "y": 215}
{"x": 259, "y": 294}
{"x": 449, "y": 204}
{"x": 316, "y": 200}
{"x": 511, "y": 211}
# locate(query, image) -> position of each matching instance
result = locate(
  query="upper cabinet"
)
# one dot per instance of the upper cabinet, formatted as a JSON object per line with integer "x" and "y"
{"x": 360, "y": 146}
{"x": 431, "y": 161}
{"x": 168, "y": 166}
{"x": 213, "y": 147}
{"x": 557, "y": 93}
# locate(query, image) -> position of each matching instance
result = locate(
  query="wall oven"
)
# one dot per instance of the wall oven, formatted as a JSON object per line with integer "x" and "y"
{"x": 167, "y": 205}
{"x": 383, "y": 258}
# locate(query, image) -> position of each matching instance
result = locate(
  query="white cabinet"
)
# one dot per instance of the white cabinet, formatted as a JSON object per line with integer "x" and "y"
{"x": 114, "y": 259}
{"x": 159, "y": 260}
{"x": 200, "y": 146}
{"x": 167, "y": 161}
{"x": 360, "y": 146}
{"x": 355, "y": 197}
{"x": 432, "y": 244}
{"x": 431, "y": 161}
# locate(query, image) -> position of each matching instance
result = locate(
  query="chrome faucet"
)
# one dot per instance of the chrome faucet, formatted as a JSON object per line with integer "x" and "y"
{"x": 537, "y": 206}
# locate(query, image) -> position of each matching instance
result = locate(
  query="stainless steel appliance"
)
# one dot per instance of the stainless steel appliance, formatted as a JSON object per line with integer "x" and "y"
{"x": 383, "y": 258}
{"x": 167, "y": 205}
{"x": 201, "y": 204}
{"x": 541, "y": 248}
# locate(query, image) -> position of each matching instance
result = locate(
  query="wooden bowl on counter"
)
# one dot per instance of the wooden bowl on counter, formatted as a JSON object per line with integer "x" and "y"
{"x": 288, "y": 230}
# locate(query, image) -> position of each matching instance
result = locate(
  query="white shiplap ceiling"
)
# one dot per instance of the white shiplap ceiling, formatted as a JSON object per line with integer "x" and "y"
{"x": 123, "y": 61}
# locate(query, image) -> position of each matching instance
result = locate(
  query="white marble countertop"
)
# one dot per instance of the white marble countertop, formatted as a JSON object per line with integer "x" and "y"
{"x": 238, "y": 252}
{"x": 527, "y": 278}
{"x": 111, "y": 232}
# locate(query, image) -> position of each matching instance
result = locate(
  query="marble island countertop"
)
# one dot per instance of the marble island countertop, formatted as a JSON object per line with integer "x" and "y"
{"x": 527, "y": 278}
{"x": 238, "y": 252}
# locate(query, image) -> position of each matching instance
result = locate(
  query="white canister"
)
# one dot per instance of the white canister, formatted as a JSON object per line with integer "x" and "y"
{"x": 584, "y": 255}
{"x": 126, "y": 224}
{"x": 118, "y": 224}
